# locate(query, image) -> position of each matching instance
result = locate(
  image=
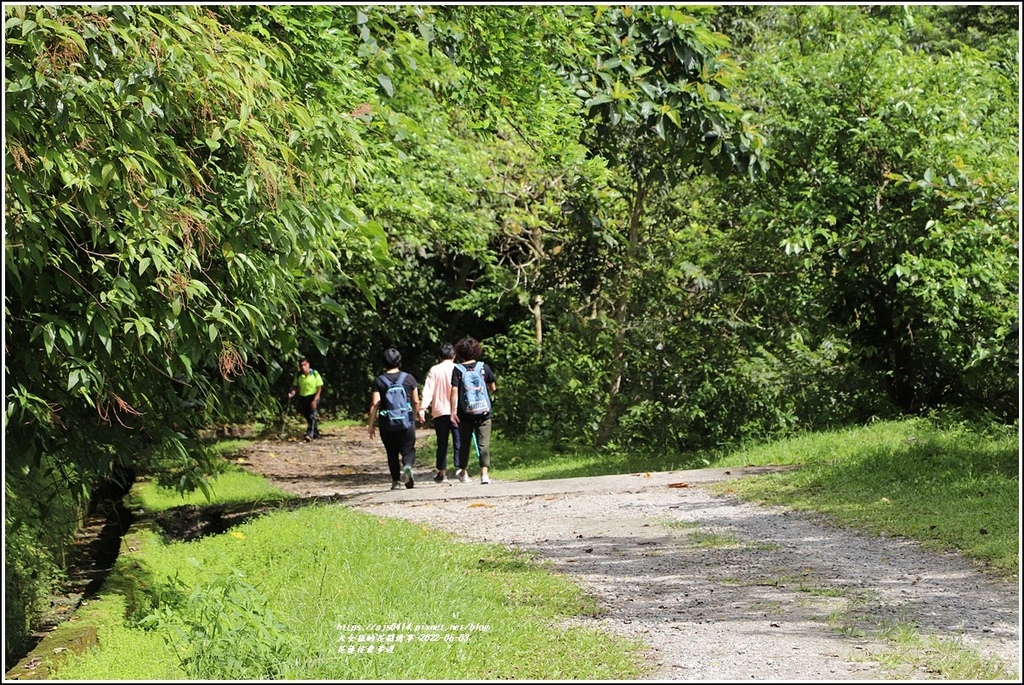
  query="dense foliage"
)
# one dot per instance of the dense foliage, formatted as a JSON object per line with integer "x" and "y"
{"x": 168, "y": 199}
{"x": 671, "y": 227}
{"x": 896, "y": 206}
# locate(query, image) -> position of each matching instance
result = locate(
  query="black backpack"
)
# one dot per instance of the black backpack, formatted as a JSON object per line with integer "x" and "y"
{"x": 397, "y": 410}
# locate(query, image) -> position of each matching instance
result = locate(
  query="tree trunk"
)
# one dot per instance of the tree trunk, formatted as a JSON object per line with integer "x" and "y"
{"x": 537, "y": 323}
{"x": 621, "y": 318}
{"x": 611, "y": 411}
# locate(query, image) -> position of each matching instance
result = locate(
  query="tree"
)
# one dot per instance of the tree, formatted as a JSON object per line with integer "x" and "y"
{"x": 472, "y": 140}
{"x": 168, "y": 198}
{"x": 657, "y": 97}
{"x": 893, "y": 196}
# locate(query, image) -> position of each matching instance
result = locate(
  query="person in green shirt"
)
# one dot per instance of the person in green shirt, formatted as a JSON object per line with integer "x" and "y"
{"x": 307, "y": 386}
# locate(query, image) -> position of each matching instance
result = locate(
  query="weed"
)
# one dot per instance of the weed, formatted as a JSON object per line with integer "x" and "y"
{"x": 223, "y": 629}
{"x": 942, "y": 657}
{"x": 851, "y": 631}
{"x": 675, "y": 524}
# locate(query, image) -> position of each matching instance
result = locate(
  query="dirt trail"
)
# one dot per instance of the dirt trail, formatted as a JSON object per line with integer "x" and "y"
{"x": 716, "y": 589}
{"x": 342, "y": 461}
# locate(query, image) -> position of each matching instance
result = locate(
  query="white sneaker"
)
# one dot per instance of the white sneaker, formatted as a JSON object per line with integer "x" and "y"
{"x": 484, "y": 479}
{"x": 464, "y": 476}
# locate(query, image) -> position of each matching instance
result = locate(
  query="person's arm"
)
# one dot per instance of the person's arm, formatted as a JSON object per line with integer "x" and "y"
{"x": 316, "y": 398}
{"x": 455, "y": 406}
{"x": 374, "y": 404}
{"x": 295, "y": 389}
{"x": 428, "y": 396}
{"x": 416, "y": 408}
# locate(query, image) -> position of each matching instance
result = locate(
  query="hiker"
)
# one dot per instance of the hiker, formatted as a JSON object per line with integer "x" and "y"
{"x": 473, "y": 385}
{"x": 437, "y": 393}
{"x": 395, "y": 400}
{"x": 307, "y": 385}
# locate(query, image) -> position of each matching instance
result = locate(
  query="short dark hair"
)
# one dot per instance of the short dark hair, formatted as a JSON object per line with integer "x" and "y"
{"x": 392, "y": 357}
{"x": 447, "y": 351}
{"x": 303, "y": 359}
{"x": 468, "y": 348}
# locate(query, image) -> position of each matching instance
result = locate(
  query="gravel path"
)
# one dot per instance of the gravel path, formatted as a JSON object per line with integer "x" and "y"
{"x": 715, "y": 588}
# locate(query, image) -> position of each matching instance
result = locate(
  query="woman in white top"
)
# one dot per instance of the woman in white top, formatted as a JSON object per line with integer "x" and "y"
{"x": 437, "y": 391}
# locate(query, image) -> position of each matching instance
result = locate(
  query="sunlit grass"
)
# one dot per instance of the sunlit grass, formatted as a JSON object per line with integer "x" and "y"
{"x": 302, "y": 586}
{"x": 900, "y": 478}
{"x": 288, "y": 580}
{"x": 233, "y": 485}
{"x": 893, "y": 477}
{"x": 536, "y": 460}
{"x": 907, "y": 654}
{"x": 139, "y": 651}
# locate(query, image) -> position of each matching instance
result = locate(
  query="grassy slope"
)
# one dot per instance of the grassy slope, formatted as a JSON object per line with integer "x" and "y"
{"x": 279, "y": 596}
{"x": 948, "y": 485}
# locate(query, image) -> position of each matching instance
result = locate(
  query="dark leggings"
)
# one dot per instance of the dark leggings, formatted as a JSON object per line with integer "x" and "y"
{"x": 307, "y": 411}
{"x": 399, "y": 442}
{"x": 442, "y": 429}
{"x": 468, "y": 427}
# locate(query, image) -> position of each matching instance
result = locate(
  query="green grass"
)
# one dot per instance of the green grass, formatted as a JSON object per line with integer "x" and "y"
{"x": 287, "y": 590}
{"x": 295, "y": 425}
{"x": 233, "y": 485}
{"x": 333, "y": 424}
{"x": 948, "y": 486}
{"x": 908, "y": 652}
{"x": 138, "y": 651}
{"x": 892, "y": 477}
{"x": 277, "y": 597}
{"x": 535, "y": 460}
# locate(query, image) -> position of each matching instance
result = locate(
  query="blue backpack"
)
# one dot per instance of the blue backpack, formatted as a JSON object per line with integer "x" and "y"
{"x": 397, "y": 411}
{"x": 473, "y": 397}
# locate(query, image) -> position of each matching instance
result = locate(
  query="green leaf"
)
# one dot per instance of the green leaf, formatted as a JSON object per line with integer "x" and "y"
{"x": 322, "y": 344}
{"x": 66, "y": 336}
{"x": 187, "y": 363}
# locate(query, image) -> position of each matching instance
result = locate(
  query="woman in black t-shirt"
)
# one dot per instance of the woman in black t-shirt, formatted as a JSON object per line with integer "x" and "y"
{"x": 395, "y": 400}
{"x": 471, "y": 407}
